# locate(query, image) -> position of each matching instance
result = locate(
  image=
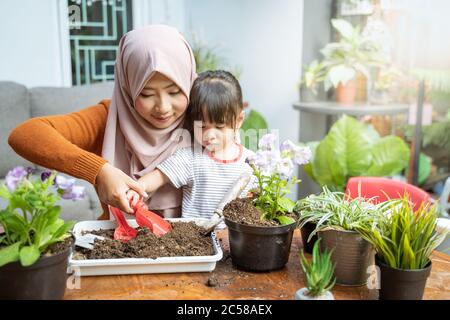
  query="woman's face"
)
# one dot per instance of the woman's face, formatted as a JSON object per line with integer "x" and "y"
{"x": 161, "y": 102}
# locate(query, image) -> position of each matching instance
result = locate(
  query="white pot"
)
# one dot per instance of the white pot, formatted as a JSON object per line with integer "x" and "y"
{"x": 302, "y": 295}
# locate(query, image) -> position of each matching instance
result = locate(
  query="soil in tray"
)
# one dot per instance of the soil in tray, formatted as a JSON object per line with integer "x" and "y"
{"x": 185, "y": 239}
{"x": 243, "y": 211}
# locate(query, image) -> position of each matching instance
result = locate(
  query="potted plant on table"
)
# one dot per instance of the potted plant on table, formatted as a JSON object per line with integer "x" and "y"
{"x": 319, "y": 276}
{"x": 261, "y": 227}
{"x": 35, "y": 243}
{"x": 404, "y": 241}
{"x": 337, "y": 221}
{"x": 349, "y": 59}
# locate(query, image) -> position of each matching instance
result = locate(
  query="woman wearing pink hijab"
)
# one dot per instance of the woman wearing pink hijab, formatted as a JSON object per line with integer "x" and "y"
{"x": 115, "y": 142}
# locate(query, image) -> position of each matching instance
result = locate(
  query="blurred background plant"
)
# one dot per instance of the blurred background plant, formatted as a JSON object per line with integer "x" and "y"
{"x": 351, "y": 149}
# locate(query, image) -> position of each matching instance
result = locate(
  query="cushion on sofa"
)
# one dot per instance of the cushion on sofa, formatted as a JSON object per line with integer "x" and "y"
{"x": 15, "y": 109}
{"x": 53, "y": 100}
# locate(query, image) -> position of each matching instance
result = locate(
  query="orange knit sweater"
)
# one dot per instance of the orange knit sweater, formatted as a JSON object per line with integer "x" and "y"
{"x": 70, "y": 143}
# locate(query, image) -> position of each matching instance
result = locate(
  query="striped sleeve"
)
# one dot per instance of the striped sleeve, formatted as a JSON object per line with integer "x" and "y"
{"x": 179, "y": 167}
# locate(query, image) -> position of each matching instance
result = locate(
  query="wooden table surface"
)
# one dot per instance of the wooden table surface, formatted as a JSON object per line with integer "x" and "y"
{"x": 232, "y": 283}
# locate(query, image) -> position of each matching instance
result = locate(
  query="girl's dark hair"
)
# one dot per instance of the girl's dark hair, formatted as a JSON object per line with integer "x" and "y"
{"x": 216, "y": 95}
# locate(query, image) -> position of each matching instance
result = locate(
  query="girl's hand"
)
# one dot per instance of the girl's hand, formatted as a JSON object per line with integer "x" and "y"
{"x": 112, "y": 186}
{"x": 133, "y": 197}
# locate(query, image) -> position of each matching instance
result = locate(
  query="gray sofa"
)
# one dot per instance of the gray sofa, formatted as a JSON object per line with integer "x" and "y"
{"x": 18, "y": 103}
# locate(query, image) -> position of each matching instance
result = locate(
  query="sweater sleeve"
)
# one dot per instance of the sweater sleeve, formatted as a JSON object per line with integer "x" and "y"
{"x": 70, "y": 143}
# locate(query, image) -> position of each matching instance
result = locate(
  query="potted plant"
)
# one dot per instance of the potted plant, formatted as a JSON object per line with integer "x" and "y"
{"x": 351, "y": 149}
{"x": 404, "y": 241}
{"x": 385, "y": 80}
{"x": 35, "y": 243}
{"x": 261, "y": 227}
{"x": 349, "y": 58}
{"x": 319, "y": 276}
{"x": 313, "y": 75}
{"x": 338, "y": 219}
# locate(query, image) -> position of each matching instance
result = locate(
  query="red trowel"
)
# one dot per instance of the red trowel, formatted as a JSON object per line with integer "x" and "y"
{"x": 123, "y": 232}
{"x": 144, "y": 218}
{"x": 149, "y": 219}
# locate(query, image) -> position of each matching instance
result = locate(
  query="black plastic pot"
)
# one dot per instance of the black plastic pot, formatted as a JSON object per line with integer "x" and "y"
{"x": 399, "y": 284}
{"x": 352, "y": 255}
{"x": 44, "y": 280}
{"x": 258, "y": 248}
{"x": 305, "y": 232}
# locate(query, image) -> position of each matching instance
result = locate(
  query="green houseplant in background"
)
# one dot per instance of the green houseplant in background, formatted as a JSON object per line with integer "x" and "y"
{"x": 404, "y": 241}
{"x": 319, "y": 275}
{"x": 337, "y": 220}
{"x": 313, "y": 76}
{"x": 354, "y": 149}
{"x": 353, "y": 54}
{"x": 35, "y": 243}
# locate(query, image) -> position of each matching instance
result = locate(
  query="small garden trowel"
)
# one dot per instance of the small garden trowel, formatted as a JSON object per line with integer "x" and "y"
{"x": 87, "y": 240}
{"x": 230, "y": 195}
{"x": 150, "y": 220}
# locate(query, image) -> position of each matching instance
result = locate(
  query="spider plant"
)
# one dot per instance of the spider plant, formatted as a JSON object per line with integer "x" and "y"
{"x": 319, "y": 272}
{"x": 334, "y": 210}
{"x": 405, "y": 239}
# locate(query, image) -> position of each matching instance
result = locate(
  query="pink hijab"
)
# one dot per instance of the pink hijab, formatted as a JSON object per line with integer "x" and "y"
{"x": 131, "y": 143}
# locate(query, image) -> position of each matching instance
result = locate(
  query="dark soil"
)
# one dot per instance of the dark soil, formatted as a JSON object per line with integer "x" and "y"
{"x": 185, "y": 239}
{"x": 59, "y": 247}
{"x": 243, "y": 211}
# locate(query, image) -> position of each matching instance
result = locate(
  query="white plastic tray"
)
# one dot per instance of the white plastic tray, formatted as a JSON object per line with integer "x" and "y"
{"x": 96, "y": 267}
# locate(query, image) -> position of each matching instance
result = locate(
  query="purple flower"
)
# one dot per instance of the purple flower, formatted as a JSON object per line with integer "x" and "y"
{"x": 45, "y": 175}
{"x": 74, "y": 193}
{"x": 15, "y": 176}
{"x": 285, "y": 168}
{"x": 64, "y": 183}
{"x": 30, "y": 171}
{"x": 267, "y": 142}
{"x": 302, "y": 156}
{"x": 71, "y": 191}
{"x": 265, "y": 160}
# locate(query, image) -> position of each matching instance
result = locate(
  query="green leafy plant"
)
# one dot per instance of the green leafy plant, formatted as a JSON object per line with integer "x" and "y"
{"x": 273, "y": 167}
{"x": 353, "y": 149}
{"x": 319, "y": 272}
{"x": 313, "y": 74}
{"x": 254, "y": 123}
{"x": 405, "y": 239}
{"x": 334, "y": 210}
{"x": 437, "y": 133}
{"x": 31, "y": 220}
{"x": 353, "y": 54}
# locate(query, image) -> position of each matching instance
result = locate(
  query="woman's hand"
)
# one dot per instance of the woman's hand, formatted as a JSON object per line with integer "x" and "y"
{"x": 112, "y": 187}
{"x": 133, "y": 197}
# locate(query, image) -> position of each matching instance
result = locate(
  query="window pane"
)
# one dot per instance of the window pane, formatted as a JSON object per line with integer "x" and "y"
{"x": 94, "y": 38}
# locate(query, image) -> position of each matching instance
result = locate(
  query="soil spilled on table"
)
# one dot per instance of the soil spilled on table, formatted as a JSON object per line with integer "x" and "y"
{"x": 185, "y": 239}
{"x": 243, "y": 211}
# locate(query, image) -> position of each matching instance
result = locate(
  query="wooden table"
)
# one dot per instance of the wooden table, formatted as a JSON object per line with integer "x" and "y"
{"x": 235, "y": 284}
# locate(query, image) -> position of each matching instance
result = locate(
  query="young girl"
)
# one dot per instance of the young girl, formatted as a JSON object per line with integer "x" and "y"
{"x": 206, "y": 170}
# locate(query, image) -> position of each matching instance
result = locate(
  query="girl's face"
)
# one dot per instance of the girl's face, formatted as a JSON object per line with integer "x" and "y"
{"x": 161, "y": 102}
{"x": 216, "y": 136}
